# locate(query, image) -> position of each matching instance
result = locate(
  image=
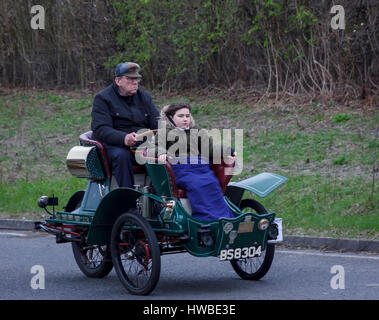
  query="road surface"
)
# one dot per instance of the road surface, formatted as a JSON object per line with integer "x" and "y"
{"x": 294, "y": 275}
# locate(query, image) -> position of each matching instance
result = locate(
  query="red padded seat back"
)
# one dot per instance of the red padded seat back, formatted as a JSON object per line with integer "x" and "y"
{"x": 221, "y": 174}
{"x": 86, "y": 139}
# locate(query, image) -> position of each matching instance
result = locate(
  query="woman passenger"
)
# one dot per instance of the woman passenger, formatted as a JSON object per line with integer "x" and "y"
{"x": 191, "y": 167}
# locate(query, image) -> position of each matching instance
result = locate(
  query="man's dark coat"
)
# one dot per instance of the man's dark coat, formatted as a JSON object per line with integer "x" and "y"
{"x": 114, "y": 115}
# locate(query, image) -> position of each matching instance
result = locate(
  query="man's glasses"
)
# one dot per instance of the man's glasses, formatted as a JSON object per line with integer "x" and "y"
{"x": 132, "y": 79}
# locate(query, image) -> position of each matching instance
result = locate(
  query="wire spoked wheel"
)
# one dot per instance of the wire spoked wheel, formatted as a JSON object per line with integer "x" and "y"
{"x": 93, "y": 261}
{"x": 254, "y": 268}
{"x": 135, "y": 253}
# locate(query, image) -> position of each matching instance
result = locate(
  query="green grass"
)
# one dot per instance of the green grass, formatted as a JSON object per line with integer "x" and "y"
{"x": 328, "y": 156}
{"x": 20, "y": 198}
{"x": 341, "y": 117}
{"x": 37, "y": 129}
{"x": 326, "y": 205}
{"x": 341, "y": 160}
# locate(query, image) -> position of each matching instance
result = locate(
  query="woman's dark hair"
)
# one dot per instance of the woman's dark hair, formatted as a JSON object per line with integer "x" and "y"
{"x": 173, "y": 107}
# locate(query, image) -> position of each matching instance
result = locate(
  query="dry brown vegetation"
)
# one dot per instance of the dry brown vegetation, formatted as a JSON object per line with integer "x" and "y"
{"x": 281, "y": 48}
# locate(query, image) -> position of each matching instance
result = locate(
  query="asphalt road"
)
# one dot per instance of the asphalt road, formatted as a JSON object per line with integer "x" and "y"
{"x": 294, "y": 275}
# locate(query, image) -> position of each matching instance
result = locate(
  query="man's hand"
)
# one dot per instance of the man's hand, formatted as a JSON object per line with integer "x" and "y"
{"x": 130, "y": 139}
{"x": 231, "y": 159}
{"x": 162, "y": 158}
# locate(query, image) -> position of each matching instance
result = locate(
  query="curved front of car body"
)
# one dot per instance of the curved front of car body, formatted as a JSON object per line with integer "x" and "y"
{"x": 261, "y": 185}
{"x": 246, "y": 231}
{"x": 227, "y": 233}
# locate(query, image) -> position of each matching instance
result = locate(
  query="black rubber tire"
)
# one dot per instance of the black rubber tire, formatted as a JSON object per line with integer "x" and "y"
{"x": 254, "y": 268}
{"x": 93, "y": 261}
{"x": 136, "y": 246}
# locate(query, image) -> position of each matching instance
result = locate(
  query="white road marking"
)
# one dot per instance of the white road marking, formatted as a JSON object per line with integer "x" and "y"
{"x": 13, "y": 234}
{"x": 328, "y": 254}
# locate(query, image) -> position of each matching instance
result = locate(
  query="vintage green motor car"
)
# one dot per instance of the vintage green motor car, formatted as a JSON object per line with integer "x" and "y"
{"x": 130, "y": 228}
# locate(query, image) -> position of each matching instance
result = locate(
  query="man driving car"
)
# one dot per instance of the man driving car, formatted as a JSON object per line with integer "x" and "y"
{"x": 118, "y": 112}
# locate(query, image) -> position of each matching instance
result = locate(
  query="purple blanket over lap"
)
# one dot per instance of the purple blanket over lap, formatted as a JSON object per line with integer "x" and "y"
{"x": 203, "y": 191}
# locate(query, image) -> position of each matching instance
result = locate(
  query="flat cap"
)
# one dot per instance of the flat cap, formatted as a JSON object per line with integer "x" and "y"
{"x": 129, "y": 69}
